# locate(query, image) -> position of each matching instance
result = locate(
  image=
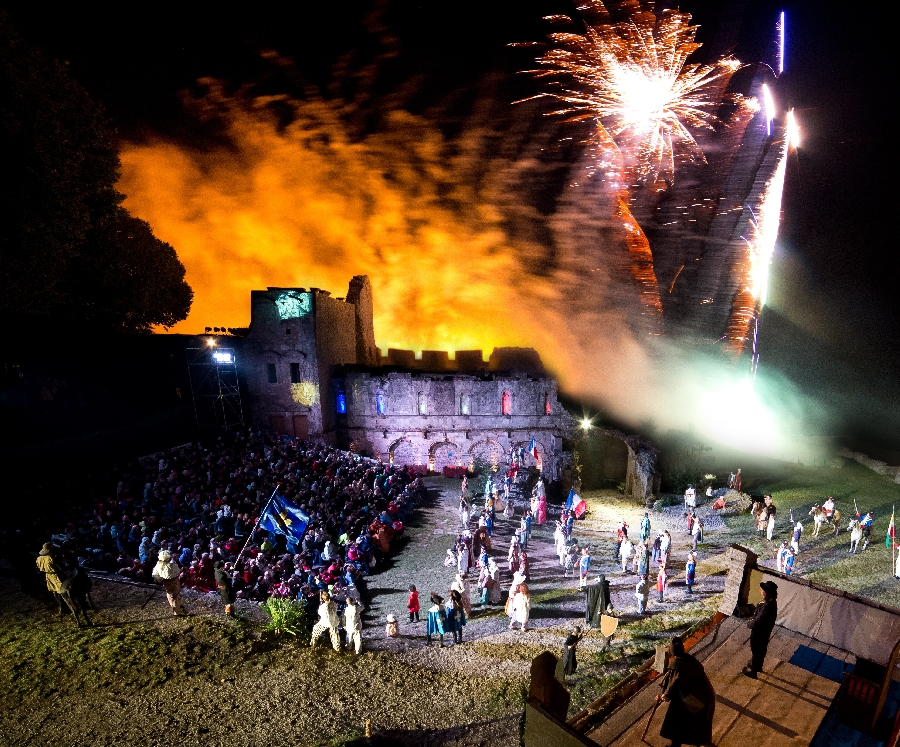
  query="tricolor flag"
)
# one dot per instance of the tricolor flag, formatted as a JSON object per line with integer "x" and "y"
{"x": 280, "y": 516}
{"x": 532, "y": 447}
{"x": 890, "y": 532}
{"x": 578, "y": 506}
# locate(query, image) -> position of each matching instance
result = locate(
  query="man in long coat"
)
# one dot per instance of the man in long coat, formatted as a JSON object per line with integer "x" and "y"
{"x": 569, "y": 661}
{"x": 761, "y": 628}
{"x": 691, "y": 699}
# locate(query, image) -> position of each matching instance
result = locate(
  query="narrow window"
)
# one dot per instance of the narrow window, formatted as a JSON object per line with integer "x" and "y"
{"x": 272, "y": 373}
{"x": 548, "y": 405}
{"x": 506, "y": 403}
{"x": 380, "y": 407}
{"x": 423, "y": 408}
{"x": 340, "y": 403}
{"x": 464, "y": 404}
{"x": 295, "y": 373}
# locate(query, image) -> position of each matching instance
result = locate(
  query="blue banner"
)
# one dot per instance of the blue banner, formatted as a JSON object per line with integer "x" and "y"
{"x": 281, "y": 516}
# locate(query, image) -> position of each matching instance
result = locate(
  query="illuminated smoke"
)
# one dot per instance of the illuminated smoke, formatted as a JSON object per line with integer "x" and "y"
{"x": 458, "y": 254}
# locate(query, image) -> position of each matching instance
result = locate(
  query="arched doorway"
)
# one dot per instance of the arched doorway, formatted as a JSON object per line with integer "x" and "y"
{"x": 488, "y": 450}
{"x": 445, "y": 454}
{"x": 404, "y": 453}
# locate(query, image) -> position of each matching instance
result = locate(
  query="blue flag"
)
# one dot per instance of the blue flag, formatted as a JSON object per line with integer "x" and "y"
{"x": 281, "y": 516}
{"x": 569, "y": 499}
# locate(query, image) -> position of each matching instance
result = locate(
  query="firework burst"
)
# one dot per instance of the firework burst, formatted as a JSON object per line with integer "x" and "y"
{"x": 634, "y": 80}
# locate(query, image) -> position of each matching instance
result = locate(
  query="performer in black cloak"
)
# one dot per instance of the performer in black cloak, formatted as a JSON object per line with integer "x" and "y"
{"x": 691, "y": 699}
{"x": 596, "y": 601}
{"x": 570, "y": 664}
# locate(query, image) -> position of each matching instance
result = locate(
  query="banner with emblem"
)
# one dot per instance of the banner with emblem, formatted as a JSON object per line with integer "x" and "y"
{"x": 280, "y": 516}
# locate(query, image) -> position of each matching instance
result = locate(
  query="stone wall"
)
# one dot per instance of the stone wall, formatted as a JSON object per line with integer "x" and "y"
{"x": 642, "y": 476}
{"x": 438, "y": 411}
{"x": 462, "y": 417}
{"x": 882, "y": 468}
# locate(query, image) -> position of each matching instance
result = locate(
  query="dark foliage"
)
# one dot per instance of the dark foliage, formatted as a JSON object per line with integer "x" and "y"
{"x": 66, "y": 247}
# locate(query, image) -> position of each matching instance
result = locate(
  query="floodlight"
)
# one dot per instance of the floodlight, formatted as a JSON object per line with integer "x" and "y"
{"x": 211, "y": 342}
{"x": 586, "y": 423}
{"x": 222, "y": 357}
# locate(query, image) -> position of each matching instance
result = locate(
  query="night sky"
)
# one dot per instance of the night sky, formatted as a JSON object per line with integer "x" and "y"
{"x": 834, "y": 316}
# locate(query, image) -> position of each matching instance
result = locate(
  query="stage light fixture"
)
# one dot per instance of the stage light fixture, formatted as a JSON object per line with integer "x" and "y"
{"x": 222, "y": 357}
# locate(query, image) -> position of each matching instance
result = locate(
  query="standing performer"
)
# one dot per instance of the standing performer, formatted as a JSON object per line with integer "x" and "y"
{"x": 691, "y": 698}
{"x": 436, "y": 616}
{"x": 642, "y": 592}
{"x": 353, "y": 625}
{"x": 584, "y": 567}
{"x": 53, "y": 567}
{"x": 223, "y": 584}
{"x": 645, "y": 527}
{"x": 689, "y": 572}
{"x": 761, "y": 628}
{"x": 328, "y": 622}
{"x": 166, "y": 572}
{"x": 412, "y": 604}
{"x": 661, "y": 581}
{"x": 795, "y": 537}
{"x": 769, "y": 512}
{"x": 570, "y": 664}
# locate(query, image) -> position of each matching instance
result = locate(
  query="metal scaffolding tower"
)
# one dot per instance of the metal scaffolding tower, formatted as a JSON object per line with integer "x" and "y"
{"x": 215, "y": 388}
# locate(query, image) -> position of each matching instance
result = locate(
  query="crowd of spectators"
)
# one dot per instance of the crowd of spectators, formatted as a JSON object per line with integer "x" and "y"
{"x": 201, "y": 502}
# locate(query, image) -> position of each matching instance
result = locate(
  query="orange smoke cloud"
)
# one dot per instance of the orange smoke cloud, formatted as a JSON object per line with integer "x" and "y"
{"x": 426, "y": 219}
{"x": 306, "y": 206}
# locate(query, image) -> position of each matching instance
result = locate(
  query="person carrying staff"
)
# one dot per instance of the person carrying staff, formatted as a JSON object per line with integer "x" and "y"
{"x": 691, "y": 699}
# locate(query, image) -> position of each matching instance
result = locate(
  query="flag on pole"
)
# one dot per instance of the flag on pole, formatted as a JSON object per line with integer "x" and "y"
{"x": 570, "y": 498}
{"x": 532, "y": 447}
{"x": 578, "y": 506}
{"x": 280, "y": 516}
{"x": 890, "y": 532}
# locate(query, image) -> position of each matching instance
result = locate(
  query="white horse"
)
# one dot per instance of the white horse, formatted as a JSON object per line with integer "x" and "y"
{"x": 820, "y": 517}
{"x": 856, "y": 533}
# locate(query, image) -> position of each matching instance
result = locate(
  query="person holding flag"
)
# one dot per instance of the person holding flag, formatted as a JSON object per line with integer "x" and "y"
{"x": 280, "y": 516}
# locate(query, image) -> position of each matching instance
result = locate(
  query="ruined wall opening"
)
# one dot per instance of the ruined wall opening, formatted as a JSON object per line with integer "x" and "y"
{"x": 445, "y": 454}
{"x": 404, "y": 453}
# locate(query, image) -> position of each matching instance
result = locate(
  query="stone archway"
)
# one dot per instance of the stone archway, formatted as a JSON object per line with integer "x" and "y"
{"x": 488, "y": 450}
{"x": 445, "y": 454}
{"x": 404, "y": 453}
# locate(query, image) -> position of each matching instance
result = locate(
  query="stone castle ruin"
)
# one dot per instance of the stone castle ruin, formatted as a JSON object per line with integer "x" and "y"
{"x": 313, "y": 371}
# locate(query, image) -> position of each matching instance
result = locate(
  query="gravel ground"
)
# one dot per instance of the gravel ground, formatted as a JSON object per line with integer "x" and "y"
{"x": 244, "y": 693}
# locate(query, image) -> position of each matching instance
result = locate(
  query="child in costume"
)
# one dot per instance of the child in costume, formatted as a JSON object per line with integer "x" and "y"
{"x": 392, "y": 629}
{"x": 412, "y": 604}
{"x": 436, "y": 617}
{"x": 689, "y": 572}
{"x": 642, "y": 592}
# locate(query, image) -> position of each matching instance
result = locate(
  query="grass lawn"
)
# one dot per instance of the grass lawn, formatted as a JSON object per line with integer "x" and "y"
{"x": 825, "y": 559}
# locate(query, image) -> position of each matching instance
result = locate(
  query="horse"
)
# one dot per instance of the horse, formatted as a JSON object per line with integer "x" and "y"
{"x": 820, "y": 516}
{"x": 856, "y": 533}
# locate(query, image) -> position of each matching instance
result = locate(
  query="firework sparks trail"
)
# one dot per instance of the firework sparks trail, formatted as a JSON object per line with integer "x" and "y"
{"x": 781, "y": 44}
{"x": 764, "y": 220}
{"x": 633, "y": 78}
